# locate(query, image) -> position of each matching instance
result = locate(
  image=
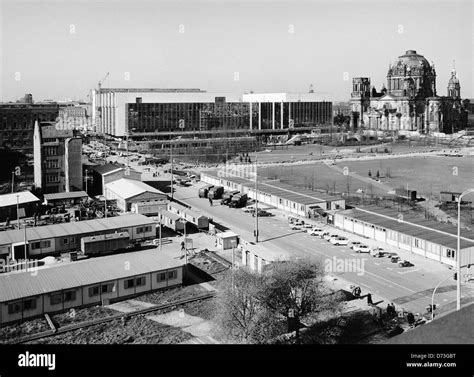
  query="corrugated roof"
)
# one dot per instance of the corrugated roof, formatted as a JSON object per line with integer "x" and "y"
{"x": 186, "y": 210}
{"x": 11, "y": 199}
{"x": 428, "y": 230}
{"x": 8, "y": 237}
{"x": 107, "y": 168}
{"x": 169, "y": 215}
{"x": 128, "y": 188}
{"x": 65, "y": 195}
{"x": 282, "y": 190}
{"x": 80, "y": 273}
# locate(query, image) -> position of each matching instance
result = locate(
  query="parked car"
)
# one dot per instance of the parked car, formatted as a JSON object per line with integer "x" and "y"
{"x": 377, "y": 253}
{"x": 295, "y": 227}
{"x": 395, "y": 259}
{"x": 328, "y": 236}
{"x": 405, "y": 263}
{"x": 307, "y": 226}
{"x": 262, "y": 213}
{"x": 339, "y": 241}
{"x": 355, "y": 244}
{"x": 361, "y": 248}
{"x": 315, "y": 231}
{"x": 323, "y": 234}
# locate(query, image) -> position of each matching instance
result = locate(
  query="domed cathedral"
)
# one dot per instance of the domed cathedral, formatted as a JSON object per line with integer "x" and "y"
{"x": 409, "y": 102}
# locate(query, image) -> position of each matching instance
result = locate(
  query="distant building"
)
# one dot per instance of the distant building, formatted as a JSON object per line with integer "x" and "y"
{"x": 17, "y": 122}
{"x": 74, "y": 115}
{"x": 409, "y": 102}
{"x": 103, "y": 174}
{"x": 121, "y": 110}
{"x": 57, "y": 159}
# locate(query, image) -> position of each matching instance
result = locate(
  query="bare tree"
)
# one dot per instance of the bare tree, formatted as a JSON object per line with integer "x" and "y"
{"x": 241, "y": 317}
{"x": 293, "y": 289}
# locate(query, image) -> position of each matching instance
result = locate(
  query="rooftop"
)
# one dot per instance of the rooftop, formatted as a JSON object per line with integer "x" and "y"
{"x": 66, "y": 195}
{"x": 443, "y": 234}
{"x": 24, "y": 197}
{"x": 77, "y": 227}
{"x": 128, "y": 188}
{"x": 285, "y": 191}
{"x": 87, "y": 272}
{"x": 454, "y": 328}
{"x": 107, "y": 168}
{"x": 186, "y": 210}
{"x": 153, "y": 90}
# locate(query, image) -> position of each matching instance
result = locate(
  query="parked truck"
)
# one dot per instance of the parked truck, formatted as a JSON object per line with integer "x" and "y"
{"x": 203, "y": 191}
{"x": 227, "y": 196}
{"x": 238, "y": 201}
{"x": 215, "y": 192}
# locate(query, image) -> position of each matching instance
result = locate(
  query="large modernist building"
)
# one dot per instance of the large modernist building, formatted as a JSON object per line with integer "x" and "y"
{"x": 57, "y": 159}
{"x": 409, "y": 102}
{"x": 118, "y": 111}
{"x": 17, "y": 121}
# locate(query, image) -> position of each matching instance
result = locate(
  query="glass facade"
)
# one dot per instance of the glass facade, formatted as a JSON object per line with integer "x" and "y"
{"x": 156, "y": 117}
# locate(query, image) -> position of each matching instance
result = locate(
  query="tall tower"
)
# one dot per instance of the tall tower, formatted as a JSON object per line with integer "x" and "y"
{"x": 454, "y": 87}
{"x": 360, "y": 101}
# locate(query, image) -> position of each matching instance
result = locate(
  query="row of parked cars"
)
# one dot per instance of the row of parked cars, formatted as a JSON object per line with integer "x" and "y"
{"x": 335, "y": 239}
{"x": 233, "y": 199}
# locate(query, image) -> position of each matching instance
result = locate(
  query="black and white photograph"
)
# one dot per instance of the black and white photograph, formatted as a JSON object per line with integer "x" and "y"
{"x": 236, "y": 187}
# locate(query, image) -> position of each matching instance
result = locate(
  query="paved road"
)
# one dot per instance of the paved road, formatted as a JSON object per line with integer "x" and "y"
{"x": 410, "y": 287}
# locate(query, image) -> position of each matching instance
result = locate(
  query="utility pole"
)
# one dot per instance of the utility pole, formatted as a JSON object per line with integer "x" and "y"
{"x": 256, "y": 200}
{"x": 13, "y": 180}
{"x": 171, "y": 160}
{"x": 18, "y": 211}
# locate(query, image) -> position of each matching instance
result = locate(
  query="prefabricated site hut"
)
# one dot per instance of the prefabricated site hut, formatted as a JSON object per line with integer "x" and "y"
{"x": 194, "y": 217}
{"x": 292, "y": 199}
{"x": 26, "y": 201}
{"x": 255, "y": 257}
{"x": 136, "y": 195}
{"x": 429, "y": 238}
{"x": 170, "y": 220}
{"x": 66, "y": 237}
{"x": 87, "y": 282}
{"x": 103, "y": 174}
{"x": 65, "y": 198}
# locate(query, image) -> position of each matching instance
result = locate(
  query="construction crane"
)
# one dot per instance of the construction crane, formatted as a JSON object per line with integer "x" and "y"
{"x": 99, "y": 105}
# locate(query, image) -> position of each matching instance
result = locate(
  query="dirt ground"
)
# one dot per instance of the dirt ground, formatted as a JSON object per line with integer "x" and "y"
{"x": 8, "y": 333}
{"x": 136, "y": 330}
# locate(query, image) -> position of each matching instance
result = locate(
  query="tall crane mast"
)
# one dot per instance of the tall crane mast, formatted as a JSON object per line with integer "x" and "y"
{"x": 99, "y": 104}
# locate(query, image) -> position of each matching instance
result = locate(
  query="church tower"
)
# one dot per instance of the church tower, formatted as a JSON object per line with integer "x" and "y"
{"x": 360, "y": 101}
{"x": 454, "y": 87}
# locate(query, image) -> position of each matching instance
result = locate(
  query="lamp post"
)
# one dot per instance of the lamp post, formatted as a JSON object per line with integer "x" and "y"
{"x": 256, "y": 200}
{"x": 13, "y": 180}
{"x": 161, "y": 247}
{"x": 458, "y": 252}
{"x": 432, "y": 296}
{"x": 18, "y": 211}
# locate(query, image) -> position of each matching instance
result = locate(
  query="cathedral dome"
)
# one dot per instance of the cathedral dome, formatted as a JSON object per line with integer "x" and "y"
{"x": 412, "y": 61}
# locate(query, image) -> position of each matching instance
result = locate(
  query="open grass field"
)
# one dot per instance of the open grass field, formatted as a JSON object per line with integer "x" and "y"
{"x": 426, "y": 174}
{"x": 316, "y": 151}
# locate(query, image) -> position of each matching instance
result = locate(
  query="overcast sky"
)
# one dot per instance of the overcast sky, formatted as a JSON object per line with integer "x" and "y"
{"x": 61, "y": 49}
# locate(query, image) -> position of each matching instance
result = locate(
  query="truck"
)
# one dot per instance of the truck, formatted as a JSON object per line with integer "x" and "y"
{"x": 215, "y": 192}
{"x": 238, "y": 200}
{"x": 227, "y": 196}
{"x": 203, "y": 191}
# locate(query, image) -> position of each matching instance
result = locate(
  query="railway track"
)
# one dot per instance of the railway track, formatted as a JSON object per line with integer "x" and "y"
{"x": 65, "y": 329}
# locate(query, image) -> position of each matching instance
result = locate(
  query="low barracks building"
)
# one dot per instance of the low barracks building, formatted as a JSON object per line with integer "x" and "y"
{"x": 88, "y": 282}
{"x": 429, "y": 238}
{"x": 295, "y": 200}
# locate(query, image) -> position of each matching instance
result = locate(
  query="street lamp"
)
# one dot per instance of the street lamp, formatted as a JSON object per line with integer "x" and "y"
{"x": 256, "y": 200}
{"x": 458, "y": 253}
{"x": 432, "y": 296}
